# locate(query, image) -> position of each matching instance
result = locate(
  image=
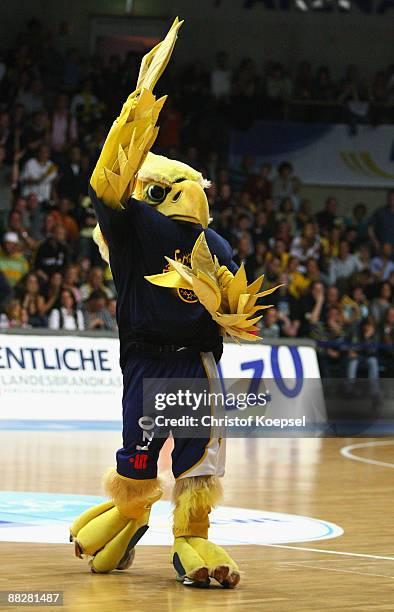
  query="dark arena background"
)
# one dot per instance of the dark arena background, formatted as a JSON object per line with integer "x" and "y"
{"x": 287, "y": 107}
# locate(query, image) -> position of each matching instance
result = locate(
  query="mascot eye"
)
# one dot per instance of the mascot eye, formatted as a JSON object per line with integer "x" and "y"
{"x": 156, "y": 193}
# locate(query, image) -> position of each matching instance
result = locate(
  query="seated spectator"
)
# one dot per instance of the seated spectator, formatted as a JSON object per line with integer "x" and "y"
{"x": 260, "y": 230}
{"x": 17, "y": 316}
{"x": 355, "y": 307}
{"x": 283, "y": 185}
{"x": 323, "y": 89}
{"x": 71, "y": 281}
{"x": 7, "y": 179}
{"x": 53, "y": 254}
{"x": 330, "y": 244}
{"x": 86, "y": 107}
{"x": 6, "y": 292}
{"x": 286, "y": 213}
{"x": 359, "y": 221}
{"x": 279, "y": 89}
{"x": 382, "y": 302}
{"x": 269, "y": 324}
{"x": 298, "y": 282}
{"x": 30, "y": 95}
{"x": 64, "y": 127}
{"x": 287, "y": 309}
{"x": 313, "y": 272}
{"x": 51, "y": 292}
{"x": 221, "y": 78}
{"x": 64, "y": 217}
{"x": 364, "y": 256}
{"x": 13, "y": 264}
{"x": 95, "y": 283}
{"x": 111, "y": 308}
{"x": 304, "y": 213}
{"x": 303, "y": 82}
{"x": 225, "y": 198}
{"x": 387, "y": 353}
{"x": 33, "y": 302}
{"x": 327, "y": 218}
{"x": 243, "y": 225}
{"x": 343, "y": 266}
{"x": 38, "y": 175}
{"x": 279, "y": 250}
{"x": 379, "y": 91}
{"x": 96, "y": 314}
{"x": 356, "y": 99}
{"x": 332, "y": 297}
{"x": 269, "y": 208}
{"x": 260, "y": 254}
{"x": 305, "y": 245}
{"x": 247, "y": 203}
{"x": 296, "y": 195}
{"x": 382, "y": 265}
{"x": 367, "y": 338}
{"x": 68, "y": 315}
{"x": 73, "y": 176}
{"x": 332, "y": 334}
{"x": 87, "y": 248}
{"x": 244, "y": 254}
{"x": 272, "y": 272}
{"x": 15, "y": 225}
{"x": 34, "y": 135}
{"x": 313, "y": 309}
{"x": 381, "y": 223}
{"x": 36, "y": 217}
{"x": 259, "y": 185}
{"x": 20, "y": 206}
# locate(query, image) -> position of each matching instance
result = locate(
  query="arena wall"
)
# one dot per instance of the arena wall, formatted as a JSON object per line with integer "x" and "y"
{"x": 335, "y": 39}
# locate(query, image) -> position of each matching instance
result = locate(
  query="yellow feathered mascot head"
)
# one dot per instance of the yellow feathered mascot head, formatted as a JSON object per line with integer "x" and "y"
{"x": 173, "y": 188}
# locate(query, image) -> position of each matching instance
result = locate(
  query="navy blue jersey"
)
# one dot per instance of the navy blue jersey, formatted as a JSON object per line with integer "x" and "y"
{"x": 139, "y": 238}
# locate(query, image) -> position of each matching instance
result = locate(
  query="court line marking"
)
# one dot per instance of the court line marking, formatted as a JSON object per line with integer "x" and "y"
{"x": 330, "y": 552}
{"x": 346, "y": 451}
{"x": 333, "y": 569}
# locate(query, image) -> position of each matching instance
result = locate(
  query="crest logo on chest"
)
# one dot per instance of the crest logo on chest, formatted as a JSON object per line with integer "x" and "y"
{"x": 186, "y": 295}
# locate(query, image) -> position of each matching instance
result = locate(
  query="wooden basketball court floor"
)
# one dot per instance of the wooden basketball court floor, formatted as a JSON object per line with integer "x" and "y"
{"x": 309, "y": 477}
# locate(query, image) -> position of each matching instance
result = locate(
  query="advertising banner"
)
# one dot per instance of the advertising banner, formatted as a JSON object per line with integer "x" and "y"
{"x": 79, "y": 378}
{"x": 321, "y": 154}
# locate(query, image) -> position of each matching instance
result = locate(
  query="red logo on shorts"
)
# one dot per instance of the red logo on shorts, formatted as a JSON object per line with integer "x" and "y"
{"x": 140, "y": 461}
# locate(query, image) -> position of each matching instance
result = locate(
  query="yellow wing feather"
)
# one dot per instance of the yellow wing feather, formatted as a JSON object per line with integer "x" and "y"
{"x": 227, "y": 297}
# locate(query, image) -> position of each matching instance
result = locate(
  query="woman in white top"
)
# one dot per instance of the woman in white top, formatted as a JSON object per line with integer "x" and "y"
{"x": 68, "y": 316}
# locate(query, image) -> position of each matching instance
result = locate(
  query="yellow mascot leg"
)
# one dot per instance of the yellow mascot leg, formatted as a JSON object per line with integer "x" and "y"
{"x": 109, "y": 532}
{"x": 194, "y": 557}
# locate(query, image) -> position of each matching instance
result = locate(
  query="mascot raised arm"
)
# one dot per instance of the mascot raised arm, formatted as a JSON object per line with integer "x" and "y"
{"x": 179, "y": 293}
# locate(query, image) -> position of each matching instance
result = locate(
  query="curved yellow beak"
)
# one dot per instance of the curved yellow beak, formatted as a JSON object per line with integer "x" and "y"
{"x": 186, "y": 202}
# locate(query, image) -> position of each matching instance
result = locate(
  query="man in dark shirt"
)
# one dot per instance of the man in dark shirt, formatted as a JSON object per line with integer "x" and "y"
{"x": 327, "y": 217}
{"x": 5, "y": 292}
{"x": 53, "y": 253}
{"x": 381, "y": 225}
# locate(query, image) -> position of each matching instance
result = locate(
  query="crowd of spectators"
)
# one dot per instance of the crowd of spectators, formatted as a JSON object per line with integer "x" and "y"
{"x": 272, "y": 91}
{"x": 336, "y": 271}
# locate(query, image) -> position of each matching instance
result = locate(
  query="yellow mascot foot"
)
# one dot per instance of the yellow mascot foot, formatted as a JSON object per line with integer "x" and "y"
{"x": 196, "y": 560}
{"x": 108, "y": 537}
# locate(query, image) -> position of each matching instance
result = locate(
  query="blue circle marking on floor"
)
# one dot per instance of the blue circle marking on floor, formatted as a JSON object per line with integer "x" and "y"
{"x": 45, "y": 518}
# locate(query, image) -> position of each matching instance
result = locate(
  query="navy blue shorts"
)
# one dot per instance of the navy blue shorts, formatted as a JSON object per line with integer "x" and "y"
{"x": 141, "y": 447}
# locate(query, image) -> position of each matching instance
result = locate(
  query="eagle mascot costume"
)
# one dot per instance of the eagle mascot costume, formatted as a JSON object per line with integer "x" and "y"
{"x": 179, "y": 293}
